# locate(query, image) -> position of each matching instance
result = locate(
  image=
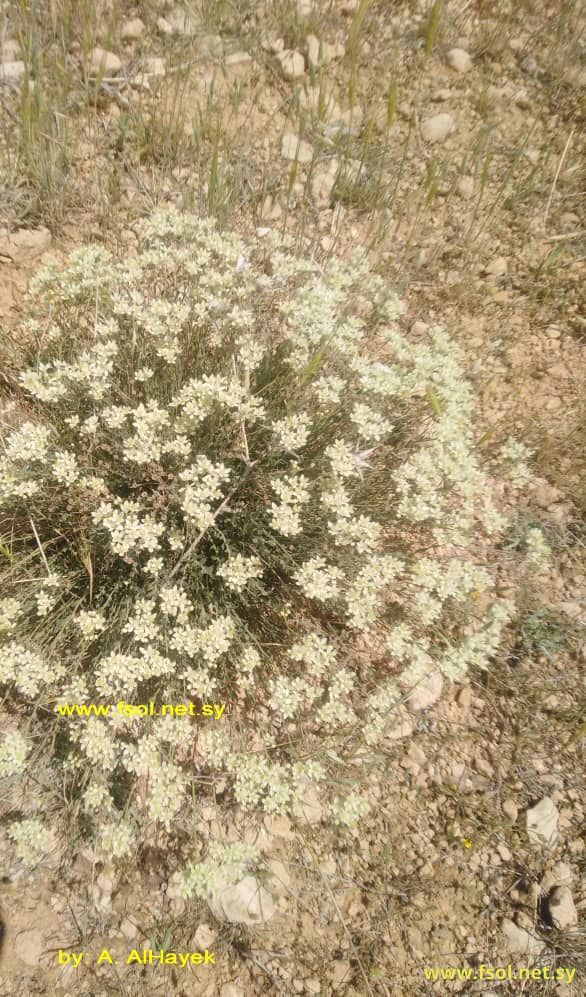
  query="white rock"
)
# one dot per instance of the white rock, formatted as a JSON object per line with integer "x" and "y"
{"x": 459, "y": 60}
{"x": 103, "y": 63}
{"x": 203, "y": 938}
{"x": 510, "y": 809}
{"x": 280, "y": 879}
{"x": 270, "y": 209}
{"x": 497, "y": 267}
{"x": 239, "y": 60}
{"x": 562, "y": 874}
{"x": 245, "y": 902}
{"x": 293, "y": 147}
{"x": 273, "y": 45}
{"x": 322, "y": 182}
{"x": 280, "y": 827}
{"x": 132, "y": 30}
{"x": 465, "y": 188}
{"x": 438, "y": 127}
{"x": 164, "y": 26}
{"x": 426, "y": 693}
{"x": 231, "y": 990}
{"x": 340, "y": 971}
{"x": 128, "y": 928}
{"x": 314, "y": 55}
{"x": 25, "y": 244}
{"x": 292, "y": 64}
{"x": 322, "y": 53}
{"x": 400, "y": 724}
{"x": 9, "y": 50}
{"x": 542, "y": 823}
{"x": 304, "y": 8}
{"x": 12, "y": 72}
{"x": 29, "y": 947}
{"x": 519, "y": 940}
{"x": 310, "y": 808}
{"x": 562, "y": 908}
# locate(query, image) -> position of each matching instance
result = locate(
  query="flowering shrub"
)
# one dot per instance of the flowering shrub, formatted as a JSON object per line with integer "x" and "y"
{"x": 223, "y": 474}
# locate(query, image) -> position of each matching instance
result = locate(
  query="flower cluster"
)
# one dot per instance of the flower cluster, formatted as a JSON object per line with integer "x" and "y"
{"x": 229, "y": 476}
{"x": 13, "y": 754}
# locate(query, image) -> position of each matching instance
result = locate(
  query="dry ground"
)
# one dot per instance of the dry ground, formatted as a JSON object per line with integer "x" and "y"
{"x": 481, "y": 230}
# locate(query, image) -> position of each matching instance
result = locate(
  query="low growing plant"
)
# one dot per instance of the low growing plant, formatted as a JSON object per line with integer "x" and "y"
{"x": 227, "y": 477}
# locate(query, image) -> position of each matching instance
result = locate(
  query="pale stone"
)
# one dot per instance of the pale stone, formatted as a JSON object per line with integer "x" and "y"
{"x": 293, "y": 147}
{"x": 438, "y": 127}
{"x": 465, "y": 188}
{"x": 128, "y": 928}
{"x": 562, "y": 908}
{"x": 29, "y": 947}
{"x": 280, "y": 880}
{"x": 292, "y": 64}
{"x": 310, "y": 807}
{"x": 9, "y": 50}
{"x": 12, "y": 72}
{"x": 426, "y": 693}
{"x": 238, "y": 59}
{"x": 203, "y": 938}
{"x": 231, "y": 990}
{"x": 562, "y": 874}
{"x": 400, "y": 724}
{"x": 497, "y": 267}
{"x": 25, "y": 244}
{"x": 320, "y": 53}
{"x": 270, "y": 209}
{"x": 273, "y": 45}
{"x": 323, "y": 181}
{"x": 519, "y": 940}
{"x": 132, "y": 30}
{"x": 245, "y": 902}
{"x": 510, "y": 809}
{"x": 280, "y": 827}
{"x": 103, "y": 63}
{"x": 340, "y": 972}
{"x": 459, "y": 60}
{"x": 314, "y": 55}
{"x": 542, "y": 823}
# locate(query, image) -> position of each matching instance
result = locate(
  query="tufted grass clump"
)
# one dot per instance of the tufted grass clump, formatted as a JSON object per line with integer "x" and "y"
{"x": 224, "y": 474}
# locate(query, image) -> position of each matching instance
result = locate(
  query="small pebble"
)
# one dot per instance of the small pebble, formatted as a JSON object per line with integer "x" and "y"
{"x": 459, "y": 60}
{"x": 293, "y": 147}
{"x": 562, "y": 908}
{"x": 438, "y": 127}
{"x": 465, "y": 188}
{"x": 103, "y": 63}
{"x": 132, "y": 30}
{"x": 292, "y": 64}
